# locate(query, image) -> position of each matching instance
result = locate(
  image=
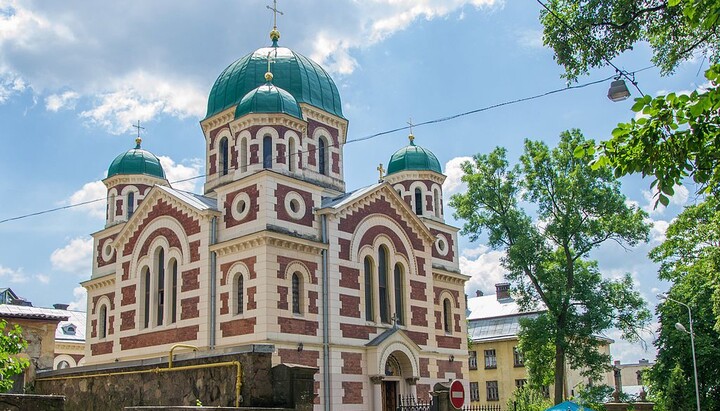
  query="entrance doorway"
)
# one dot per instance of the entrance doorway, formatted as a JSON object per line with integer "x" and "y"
{"x": 389, "y": 395}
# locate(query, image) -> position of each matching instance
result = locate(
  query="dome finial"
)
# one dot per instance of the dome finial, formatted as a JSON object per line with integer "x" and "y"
{"x": 411, "y": 137}
{"x": 275, "y": 34}
{"x": 138, "y": 140}
{"x": 269, "y": 74}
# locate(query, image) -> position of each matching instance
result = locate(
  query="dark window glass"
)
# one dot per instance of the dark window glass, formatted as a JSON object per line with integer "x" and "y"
{"x": 240, "y": 295}
{"x": 296, "y": 293}
{"x": 474, "y": 392}
{"x": 103, "y": 322}
{"x": 447, "y": 316}
{"x": 492, "y": 391}
{"x": 321, "y": 156}
{"x": 368, "y": 290}
{"x": 161, "y": 286}
{"x": 267, "y": 152}
{"x": 472, "y": 360}
{"x": 146, "y": 311}
{"x": 224, "y": 156}
{"x": 383, "y": 285}
{"x": 518, "y": 358}
{"x": 131, "y": 204}
{"x": 243, "y": 155}
{"x": 173, "y": 308}
{"x": 418, "y": 202}
{"x": 399, "y": 303}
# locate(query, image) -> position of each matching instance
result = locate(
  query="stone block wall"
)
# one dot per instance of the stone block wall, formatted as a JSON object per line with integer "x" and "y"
{"x": 26, "y": 402}
{"x": 115, "y": 386}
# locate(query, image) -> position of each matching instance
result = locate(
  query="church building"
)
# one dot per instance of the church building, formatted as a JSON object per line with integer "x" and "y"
{"x": 365, "y": 285}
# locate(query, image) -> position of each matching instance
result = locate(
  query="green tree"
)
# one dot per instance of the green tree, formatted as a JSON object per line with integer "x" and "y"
{"x": 577, "y": 209}
{"x": 528, "y": 399}
{"x": 11, "y": 344}
{"x": 690, "y": 258}
{"x": 678, "y": 135}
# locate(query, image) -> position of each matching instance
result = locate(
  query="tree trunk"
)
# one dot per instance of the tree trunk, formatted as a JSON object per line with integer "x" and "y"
{"x": 559, "y": 373}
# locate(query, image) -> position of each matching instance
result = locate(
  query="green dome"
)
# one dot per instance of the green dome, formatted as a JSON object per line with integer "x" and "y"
{"x": 298, "y": 75}
{"x": 268, "y": 99}
{"x": 136, "y": 161}
{"x": 413, "y": 157}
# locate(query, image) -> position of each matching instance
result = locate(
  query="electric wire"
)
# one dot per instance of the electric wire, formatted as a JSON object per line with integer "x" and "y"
{"x": 359, "y": 139}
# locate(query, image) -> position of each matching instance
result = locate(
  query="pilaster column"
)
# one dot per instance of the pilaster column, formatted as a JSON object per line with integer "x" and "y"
{"x": 412, "y": 382}
{"x": 376, "y": 381}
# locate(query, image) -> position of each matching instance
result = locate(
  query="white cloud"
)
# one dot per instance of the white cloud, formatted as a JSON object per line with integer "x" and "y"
{"x": 483, "y": 266}
{"x": 65, "y": 100}
{"x": 628, "y": 352}
{"x": 532, "y": 39}
{"x": 94, "y": 190}
{"x": 680, "y": 198}
{"x": 176, "y": 173}
{"x": 79, "y": 302}
{"x": 453, "y": 183}
{"x": 75, "y": 257}
{"x": 44, "y": 279}
{"x": 658, "y": 230}
{"x": 12, "y": 276}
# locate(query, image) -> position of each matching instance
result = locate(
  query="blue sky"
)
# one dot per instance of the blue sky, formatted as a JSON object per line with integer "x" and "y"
{"x": 75, "y": 75}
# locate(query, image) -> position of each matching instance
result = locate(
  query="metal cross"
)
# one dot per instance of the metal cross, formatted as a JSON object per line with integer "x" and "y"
{"x": 138, "y": 128}
{"x": 381, "y": 170}
{"x": 275, "y": 12}
{"x": 410, "y": 123}
{"x": 270, "y": 60}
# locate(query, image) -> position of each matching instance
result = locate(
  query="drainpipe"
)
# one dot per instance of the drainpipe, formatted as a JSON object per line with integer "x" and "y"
{"x": 213, "y": 286}
{"x": 326, "y": 320}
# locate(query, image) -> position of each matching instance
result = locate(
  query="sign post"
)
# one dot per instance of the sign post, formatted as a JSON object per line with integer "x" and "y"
{"x": 457, "y": 394}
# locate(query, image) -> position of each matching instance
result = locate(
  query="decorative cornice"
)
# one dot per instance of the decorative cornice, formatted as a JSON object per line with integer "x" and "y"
{"x": 416, "y": 175}
{"x": 268, "y": 119}
{"x": 266, "y": 237}
{"x": 74, "y": 346}
{"x": 450, "y": 277}
{"x": 377, "y": 379}
{"x": 134, "y": 179}
{"x": 99, "y": 282}
{"x": 218, "y": 120}
{"x": 324, "y": 117}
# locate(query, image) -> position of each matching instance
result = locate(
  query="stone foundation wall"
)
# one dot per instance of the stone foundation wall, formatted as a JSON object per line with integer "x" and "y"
{"x": 26, "y": 402}
{"x": 120, "y": 385}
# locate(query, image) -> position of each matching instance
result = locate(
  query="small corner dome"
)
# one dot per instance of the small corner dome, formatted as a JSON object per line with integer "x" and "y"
{"x": 268, "y": 99}
{"x": 304, "y": 79}
{"x": 136, "y": 161}
{"x": 415, "y": 158}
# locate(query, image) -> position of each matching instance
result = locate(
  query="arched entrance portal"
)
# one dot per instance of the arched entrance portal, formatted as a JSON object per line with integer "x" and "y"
{"x": 397, "y": 380}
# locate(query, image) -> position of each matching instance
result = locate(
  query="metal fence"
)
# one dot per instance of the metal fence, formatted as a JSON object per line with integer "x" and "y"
{"x": 408, "y": 403}
{"x": 482, "y": 408}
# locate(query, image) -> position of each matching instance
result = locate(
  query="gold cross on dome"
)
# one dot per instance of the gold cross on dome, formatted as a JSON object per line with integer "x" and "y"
{"x": 275, "y": 12}
{"x": 410, "y": 123}
{"x": 138, "y": 140}
{"x": 381, "y": 170}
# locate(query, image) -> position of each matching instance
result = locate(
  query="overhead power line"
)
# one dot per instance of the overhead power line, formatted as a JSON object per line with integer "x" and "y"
{"x": 365, "y": 138}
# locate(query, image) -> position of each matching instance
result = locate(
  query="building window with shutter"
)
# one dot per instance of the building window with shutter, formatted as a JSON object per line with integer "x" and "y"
{"x": 520, "y": 384}
{"x": 490, "y": 359}
{"x": 518, "y": 358}
{"x": 472, "y": 359}
{"x": 474, "y": 392}
{"x": 493, "y": 393}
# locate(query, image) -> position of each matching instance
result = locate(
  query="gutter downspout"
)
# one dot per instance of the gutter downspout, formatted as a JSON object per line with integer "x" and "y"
{"x": 213, "y": 286}
{"x": 326, "y": 320}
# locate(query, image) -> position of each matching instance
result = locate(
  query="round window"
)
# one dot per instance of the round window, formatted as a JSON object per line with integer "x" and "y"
{"x": 295, "y": 205}
{"x": 441, "y": 245}
{"x": 240, "y": 206}
{"x": 107, "y": 250}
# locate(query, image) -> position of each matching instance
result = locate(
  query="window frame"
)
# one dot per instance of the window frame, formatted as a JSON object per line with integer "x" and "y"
{"x": 490, "y": 359}
{"x": 492, "y": 390}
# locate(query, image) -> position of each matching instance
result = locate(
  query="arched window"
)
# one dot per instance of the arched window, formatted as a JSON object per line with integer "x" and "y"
{"x": 146, "y": 302}
{"x": 239, "y": 294}
{"x": 322, "y": 149}
{"x": 296, "y": 293}
{"x": 399, "y": 303}
{"x": 436, "y": 197}
{"x": 160, "y": 286}
{"x": 447, "y": 316}
{"x": 243, "y": 155}
{"x": 174, "y": 285}
{"x": 369, "y": 315}
{"x": 383, "y": 284}
{"x": 224, "y": 156}
{"x": 418, "y": 202}
{"x": 292, "y": 157}
{"x": 111, "y": 208}
{"x": 63, "y": 364}
{"x": 267, "y": 152}
{"x": 130, "y": 204}
{"x": 102, "y": 322}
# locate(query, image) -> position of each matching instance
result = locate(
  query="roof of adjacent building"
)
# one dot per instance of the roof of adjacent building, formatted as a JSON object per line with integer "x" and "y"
{"x": 304, "y": 79}
{"x": 413, "y": 157}
{"x": 32, "y": 313}
{"x": 136, "y": 161}
{"x": 198, "y": 201}
{"x": 491, "y": 318}
{"x": 347, "y": 198}
{"x": 72, "y": 329}
{"x": 268, "y": 98}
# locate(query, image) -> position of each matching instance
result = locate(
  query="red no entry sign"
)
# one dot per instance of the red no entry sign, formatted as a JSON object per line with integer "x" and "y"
{"x": 457, "y": 394}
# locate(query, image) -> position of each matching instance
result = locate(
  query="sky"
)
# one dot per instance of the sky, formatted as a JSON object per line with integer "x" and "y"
{"x": 76, "y": 75}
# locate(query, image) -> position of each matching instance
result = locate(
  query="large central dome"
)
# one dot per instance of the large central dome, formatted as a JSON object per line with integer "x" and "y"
{"x": 301, "y": 77}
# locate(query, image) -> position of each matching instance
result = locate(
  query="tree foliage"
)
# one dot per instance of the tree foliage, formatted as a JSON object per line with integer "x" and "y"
{"x": 586, "y": 34}
{"x": 690, "y": 258}
{"x": 11, "y": 344}
{"x": 528, "y": 399}
{"x": 578, "y": 208}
